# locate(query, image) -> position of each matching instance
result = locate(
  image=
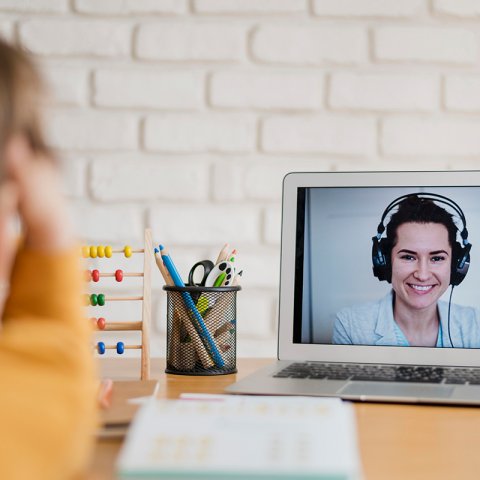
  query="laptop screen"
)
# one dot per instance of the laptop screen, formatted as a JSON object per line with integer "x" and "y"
{"x": 388, "y": 266}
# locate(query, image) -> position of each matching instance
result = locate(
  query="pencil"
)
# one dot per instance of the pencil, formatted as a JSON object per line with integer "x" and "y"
{"x": 181, "y": 314}
{"x": 236, "y": 280}
{"x": 195, "y": 317}
{"x": 231, "y": 257}
{"x": 223, "y": 254}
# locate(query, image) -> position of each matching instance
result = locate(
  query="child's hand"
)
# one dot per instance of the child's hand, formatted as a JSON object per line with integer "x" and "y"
{"x": 40, "y": 201}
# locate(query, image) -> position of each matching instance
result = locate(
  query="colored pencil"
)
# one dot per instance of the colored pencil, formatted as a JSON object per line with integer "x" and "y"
{"x": 223, "y": 254}
{"x": 192, "y": 311}
{"x": 236, "y": 280}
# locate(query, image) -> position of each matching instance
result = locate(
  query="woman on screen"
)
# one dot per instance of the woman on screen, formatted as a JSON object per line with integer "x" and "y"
{"x": 420, "y": 257}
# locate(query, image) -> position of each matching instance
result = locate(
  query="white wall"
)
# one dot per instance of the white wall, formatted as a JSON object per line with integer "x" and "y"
{"x": 185, "y": 115}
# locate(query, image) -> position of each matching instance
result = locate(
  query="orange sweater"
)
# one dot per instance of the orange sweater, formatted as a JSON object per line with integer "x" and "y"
{"x": 47, "y": 408}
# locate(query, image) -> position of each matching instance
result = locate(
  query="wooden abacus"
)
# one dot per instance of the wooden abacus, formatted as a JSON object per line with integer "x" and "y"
{"x": 100, "y": 299}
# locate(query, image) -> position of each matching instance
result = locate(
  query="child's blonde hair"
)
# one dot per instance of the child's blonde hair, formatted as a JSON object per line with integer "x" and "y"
{"x": 21, "y": 88}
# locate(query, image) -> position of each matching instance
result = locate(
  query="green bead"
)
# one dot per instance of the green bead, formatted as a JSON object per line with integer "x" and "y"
{"x": 94, "y": 300}
{"x": 101, "y": 299}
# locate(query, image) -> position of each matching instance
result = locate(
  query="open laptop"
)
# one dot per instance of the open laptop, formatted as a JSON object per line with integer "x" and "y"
{"x": 379, "y": 288}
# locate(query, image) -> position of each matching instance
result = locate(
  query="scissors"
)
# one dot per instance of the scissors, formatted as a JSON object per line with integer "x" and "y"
{"x": 207, "y": 268}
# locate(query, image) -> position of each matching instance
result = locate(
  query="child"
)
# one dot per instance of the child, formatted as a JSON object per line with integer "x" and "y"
{"x": 46, "y": 366}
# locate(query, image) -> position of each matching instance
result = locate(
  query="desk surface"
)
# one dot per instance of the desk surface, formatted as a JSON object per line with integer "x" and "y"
{"x": 396, "y": 441}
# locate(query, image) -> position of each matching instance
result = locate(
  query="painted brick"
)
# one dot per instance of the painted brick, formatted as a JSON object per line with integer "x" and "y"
{"x": 247, "y": 348}
{"x": 74, "y": 176}
{"x": 309, "y": 45}
{"x": 93, "y": 131}
{"x": 425, "y": 44}
{"x": 457, "y": 8}
{"x": 255, "y": 312}
{"x": 200, "y": 133}
{"x": 206, "y": 224}
{"x": 76, "y": 37}
{"x": 261, "y": 266}
{"x": 267, "y": 90}
{"x": 249, "y": 6}
{"x": 433, "y": 136}
{"x": 273, "y": 225}
{"x": 36, "y": 6}
{"x": 118, "y": 224}
{"x": 67, "y": 86}
{"x": 7, "y": 31}
{"x": 140, "y": 179}
{"x": 384, "y": 92}
{"x": 183, "y": 42}
{"x": 129, "y": 7}
{"x": 115, "y": 88}
{"x": 462, "y": 93}
{"x": 229, "y": 181}
{"x": 320, "y": 134}
{"x": 368, "y": 8}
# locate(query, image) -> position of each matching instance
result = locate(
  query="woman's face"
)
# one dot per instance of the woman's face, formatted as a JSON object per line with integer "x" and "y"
{"x": 421, "y": 262}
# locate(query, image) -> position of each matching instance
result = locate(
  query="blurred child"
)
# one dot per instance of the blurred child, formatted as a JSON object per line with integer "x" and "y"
{"x": 46, "y": 366}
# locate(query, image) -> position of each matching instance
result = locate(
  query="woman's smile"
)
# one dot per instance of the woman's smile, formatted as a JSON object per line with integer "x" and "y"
{"x": 421, "y": 264}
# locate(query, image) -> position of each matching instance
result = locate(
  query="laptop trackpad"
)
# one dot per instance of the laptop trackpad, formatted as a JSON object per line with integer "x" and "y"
{"x": 372, "y": 389}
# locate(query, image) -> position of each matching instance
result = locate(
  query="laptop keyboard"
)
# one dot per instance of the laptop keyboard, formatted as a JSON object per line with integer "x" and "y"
{"x": 381, "y": 373}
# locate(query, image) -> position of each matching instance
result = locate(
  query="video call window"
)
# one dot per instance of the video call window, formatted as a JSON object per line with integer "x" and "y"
{"x": 388, "y": 266}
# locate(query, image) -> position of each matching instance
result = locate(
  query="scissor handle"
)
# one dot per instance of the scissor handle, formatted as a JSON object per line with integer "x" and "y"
{"x": 207, "y": 268}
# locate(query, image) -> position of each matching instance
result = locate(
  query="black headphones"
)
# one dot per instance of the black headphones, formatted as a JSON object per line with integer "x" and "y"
{"x": 382, "y": 265}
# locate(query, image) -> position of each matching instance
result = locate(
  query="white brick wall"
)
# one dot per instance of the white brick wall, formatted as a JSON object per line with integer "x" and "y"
{"x": 185, "y": 115}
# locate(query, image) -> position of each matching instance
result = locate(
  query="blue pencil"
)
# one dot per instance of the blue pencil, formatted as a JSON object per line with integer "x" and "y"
{"x": 192, "y": 310}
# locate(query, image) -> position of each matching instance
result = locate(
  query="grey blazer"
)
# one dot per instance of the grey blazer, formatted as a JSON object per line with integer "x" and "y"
{"x": 372, "y": 324}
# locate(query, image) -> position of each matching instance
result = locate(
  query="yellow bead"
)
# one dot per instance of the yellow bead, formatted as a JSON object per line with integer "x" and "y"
{"x": 93, "y": 252}
{"x": 85, "y": 251}
{"x": 128, "y": 251}
{"x": 86, "y": 299}
{"x": 108, "y": 252}
{"x": 101, "y": 251}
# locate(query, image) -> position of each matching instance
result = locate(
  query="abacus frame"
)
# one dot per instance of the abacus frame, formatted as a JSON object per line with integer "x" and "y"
{"x": 145, "y": 324}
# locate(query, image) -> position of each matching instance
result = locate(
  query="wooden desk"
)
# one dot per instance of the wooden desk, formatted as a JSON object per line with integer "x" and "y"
{"x": 397, "y": 442}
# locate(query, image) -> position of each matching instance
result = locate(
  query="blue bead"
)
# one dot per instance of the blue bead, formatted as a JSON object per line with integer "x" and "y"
{"x": 120, "y": 348}
{"x": 101, "y": 348}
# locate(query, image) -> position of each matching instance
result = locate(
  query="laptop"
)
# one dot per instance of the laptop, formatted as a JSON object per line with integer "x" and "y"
{"x": 379, "y": 289}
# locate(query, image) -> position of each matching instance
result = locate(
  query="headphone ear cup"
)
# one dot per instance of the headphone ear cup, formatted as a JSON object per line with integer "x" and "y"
{"x": 460, "y": 264}
{"x": 381, "y": 263}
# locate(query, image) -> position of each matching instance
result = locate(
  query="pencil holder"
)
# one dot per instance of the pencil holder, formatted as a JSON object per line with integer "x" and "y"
{"x": 201, "y": 330}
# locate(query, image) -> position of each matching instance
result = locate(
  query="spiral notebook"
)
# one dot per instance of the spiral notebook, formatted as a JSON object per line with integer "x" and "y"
{"x": 240, "y": 437}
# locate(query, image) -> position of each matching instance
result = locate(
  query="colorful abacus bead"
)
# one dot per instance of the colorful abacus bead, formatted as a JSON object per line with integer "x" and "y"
{"x": 87, "y": 276}
{"x": 108, "y": 251}
{"x": 101, "y": 299}
{"x": 128, "y": 251}
{"x": 93, "y": 252}
{"x": 93, "y": 321}
{"x": 101, "y": 324}
{"x": 96, "y": 275}
{"x": 101, "y": 251}
{"x": 120, "y": 348}
{"x": 85, "y": 251}
{"x": 101, "y": 348}
{"x": 118, "y": 275}
{"x": 93, "y": 300}
{"x": 86, "y": 299}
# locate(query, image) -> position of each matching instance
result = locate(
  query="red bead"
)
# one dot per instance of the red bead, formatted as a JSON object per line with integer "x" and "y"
{"x": 94, "y": 322}
{"x": 118, "y": 275}
{"x": 88, "y": 276}
{"x": 96, "y": 275}
{"x": 101, "y": 323}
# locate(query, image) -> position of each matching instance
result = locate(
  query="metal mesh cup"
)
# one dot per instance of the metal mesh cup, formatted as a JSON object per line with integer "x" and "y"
{"x": 201, "y": 336}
